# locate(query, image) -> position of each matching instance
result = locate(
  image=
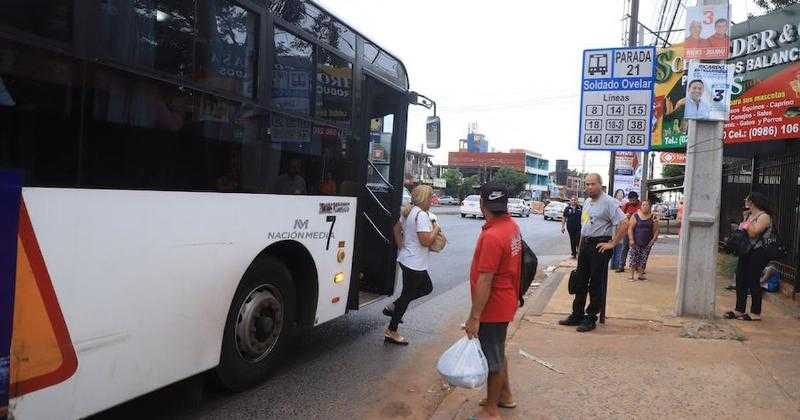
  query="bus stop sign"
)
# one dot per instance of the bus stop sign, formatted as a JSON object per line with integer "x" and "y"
{"x": 617, "y": 99}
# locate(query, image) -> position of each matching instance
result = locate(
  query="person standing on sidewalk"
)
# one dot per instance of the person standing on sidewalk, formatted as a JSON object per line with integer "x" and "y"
{"x": 601, "y": 214}
{"x": 750, "y": 266}
{"x": 620, "y": 257}
{"x": 494, "y": 285}
{"x": 642, "y": 234}
{"x": 572, "y": 221}
{"x": 414, "y": 233}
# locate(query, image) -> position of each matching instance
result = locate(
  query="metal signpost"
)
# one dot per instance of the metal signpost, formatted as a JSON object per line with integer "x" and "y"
{"x": 616, "y": 105}
{"x": 617, "y": 99}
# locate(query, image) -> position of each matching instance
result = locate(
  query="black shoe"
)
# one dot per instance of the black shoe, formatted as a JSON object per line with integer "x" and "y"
{"x": 572, "y": 321}
{"x": 587, "y": 325}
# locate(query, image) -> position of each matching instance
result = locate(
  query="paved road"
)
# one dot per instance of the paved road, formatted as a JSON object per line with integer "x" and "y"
{"x": 340, "y": 363}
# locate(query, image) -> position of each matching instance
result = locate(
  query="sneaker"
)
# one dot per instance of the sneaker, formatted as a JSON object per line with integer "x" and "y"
{"x": 587, "y": 325}
{"x": 572, "y": 320}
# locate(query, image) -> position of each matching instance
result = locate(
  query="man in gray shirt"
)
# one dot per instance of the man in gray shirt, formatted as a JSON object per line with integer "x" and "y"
{"x": 602, "y": 228}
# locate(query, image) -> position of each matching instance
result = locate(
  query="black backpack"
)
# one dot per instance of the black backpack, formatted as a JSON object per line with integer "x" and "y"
{"x": 527, "y": 272}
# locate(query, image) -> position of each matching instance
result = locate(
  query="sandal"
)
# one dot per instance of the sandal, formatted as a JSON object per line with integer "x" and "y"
{"x": 744, "y": 317}
{"x": 500, "y": 404}
{"x": 389, "y": 339}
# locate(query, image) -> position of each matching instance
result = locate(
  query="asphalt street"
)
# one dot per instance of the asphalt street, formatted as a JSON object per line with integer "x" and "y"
{"x": 338, "y": 365}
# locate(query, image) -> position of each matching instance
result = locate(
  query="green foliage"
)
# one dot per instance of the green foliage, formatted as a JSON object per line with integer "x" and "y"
{"x": 457, "y": 186}
{"x": 513, "y": 180}
{"x": 670, "y": 171}
{"x": 775, "y": 4}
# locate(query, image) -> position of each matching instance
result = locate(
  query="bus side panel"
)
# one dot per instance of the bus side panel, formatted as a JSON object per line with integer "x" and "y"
{"x": 145, "y": 279}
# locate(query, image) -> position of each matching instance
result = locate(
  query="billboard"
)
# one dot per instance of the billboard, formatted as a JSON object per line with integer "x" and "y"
{"x": 707, "y": 27}
{"x": 766, "y": 87}
{"x": 669, "y": 129}
{"x": 627, "y": 174}
{"x": 672, "y": 158}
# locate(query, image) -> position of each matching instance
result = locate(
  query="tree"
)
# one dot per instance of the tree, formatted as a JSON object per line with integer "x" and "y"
{"x": 468, "y": 187}
{"x": 512, "y": 179}
{"x": 454, "y": 182}
{"x": 775, "y": 4}
{"x": 670, "y": 171}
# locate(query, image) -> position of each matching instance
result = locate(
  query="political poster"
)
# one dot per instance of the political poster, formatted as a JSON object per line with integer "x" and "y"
{"x": 707, "y": 30}
{"x": 669, "y": 128}
{"x": 765, "y": 101}
{"x": 708, "y": 91}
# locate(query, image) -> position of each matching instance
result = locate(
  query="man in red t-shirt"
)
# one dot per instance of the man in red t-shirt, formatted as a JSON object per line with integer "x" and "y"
{"x": 494, "y": 287}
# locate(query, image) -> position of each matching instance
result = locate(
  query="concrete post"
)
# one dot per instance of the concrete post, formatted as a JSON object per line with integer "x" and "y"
{"x": 697, "y": 258}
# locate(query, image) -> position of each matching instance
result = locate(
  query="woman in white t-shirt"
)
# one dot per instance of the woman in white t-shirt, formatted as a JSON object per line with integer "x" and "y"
{"x": 414, "y": 233}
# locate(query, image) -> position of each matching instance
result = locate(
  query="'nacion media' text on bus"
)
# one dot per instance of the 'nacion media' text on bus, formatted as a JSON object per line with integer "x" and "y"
{"x": 190, "y": 182}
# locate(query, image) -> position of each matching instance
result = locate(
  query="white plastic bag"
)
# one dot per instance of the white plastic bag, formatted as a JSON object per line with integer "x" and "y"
{"x": 464, "y": 364}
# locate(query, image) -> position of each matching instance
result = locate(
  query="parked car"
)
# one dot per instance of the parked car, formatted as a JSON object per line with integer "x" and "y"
{"x": 471, "y": 206}
{"x": 554, "y": 211}
{"x": 447, "y": 201}
{"x": 518, "y": 207}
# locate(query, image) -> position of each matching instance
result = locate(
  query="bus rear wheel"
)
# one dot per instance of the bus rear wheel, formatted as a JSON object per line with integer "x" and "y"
{"x": 258, "y": 328}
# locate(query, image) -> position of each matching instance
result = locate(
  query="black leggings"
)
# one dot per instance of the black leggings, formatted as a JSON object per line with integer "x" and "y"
{"x": 748, "y": 279}
{"x": 416, "y": 284}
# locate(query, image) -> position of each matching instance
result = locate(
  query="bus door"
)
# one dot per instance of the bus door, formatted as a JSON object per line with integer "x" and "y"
{"x": 379, "y": 200}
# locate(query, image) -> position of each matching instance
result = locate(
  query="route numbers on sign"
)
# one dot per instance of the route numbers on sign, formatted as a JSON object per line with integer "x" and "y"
{"x": 617, "y": 99}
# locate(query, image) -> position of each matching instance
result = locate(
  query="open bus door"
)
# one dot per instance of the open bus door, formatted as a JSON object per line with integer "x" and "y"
{"x": 385, "y": 110}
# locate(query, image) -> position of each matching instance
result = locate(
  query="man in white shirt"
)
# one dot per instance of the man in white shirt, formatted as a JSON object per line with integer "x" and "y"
{"x": 696, "y": 108}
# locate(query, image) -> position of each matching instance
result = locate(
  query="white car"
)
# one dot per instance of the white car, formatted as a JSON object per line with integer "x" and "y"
{"x": 447, "y": 201}
{"x": 471, "y": 206}
{"x": 518, "y": 207}
{"x": 554, "y": 210}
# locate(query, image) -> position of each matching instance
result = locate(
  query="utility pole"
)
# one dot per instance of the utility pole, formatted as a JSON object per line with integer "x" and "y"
{"x": 633, "y": 26}
{"x": 697, "y": 269}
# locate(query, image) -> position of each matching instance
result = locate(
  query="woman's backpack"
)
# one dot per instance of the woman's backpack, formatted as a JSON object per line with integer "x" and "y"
{"x": 739, "y": 243}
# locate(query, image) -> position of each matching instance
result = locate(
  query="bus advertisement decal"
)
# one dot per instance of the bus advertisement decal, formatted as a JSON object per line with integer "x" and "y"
{"x": 10, "y": 195}
{"x": 42, "y": 353}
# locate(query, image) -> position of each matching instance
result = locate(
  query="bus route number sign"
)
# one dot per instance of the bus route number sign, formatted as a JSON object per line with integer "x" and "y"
{"x": 617, "y": 99}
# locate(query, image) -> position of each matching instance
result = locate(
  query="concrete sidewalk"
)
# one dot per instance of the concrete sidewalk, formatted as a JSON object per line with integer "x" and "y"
{"x": 639, "y": 365}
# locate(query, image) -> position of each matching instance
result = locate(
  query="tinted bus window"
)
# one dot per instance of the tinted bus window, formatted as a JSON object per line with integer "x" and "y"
{"x": 384, "y": 64}
{"x": 292, "y": 75}
{"x": 145, "y": 134}
{"x": 46, "y": 18}
{"x": 39, "y": 115}
{"x": 211, "y": 42}
{"x": 334, "y": 89}
{"x": 227, "y": 59}
{"x": 324, "y": 26}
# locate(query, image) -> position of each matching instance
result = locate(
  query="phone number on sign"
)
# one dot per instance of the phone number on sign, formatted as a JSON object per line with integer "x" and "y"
{"x": 763, "y": 131}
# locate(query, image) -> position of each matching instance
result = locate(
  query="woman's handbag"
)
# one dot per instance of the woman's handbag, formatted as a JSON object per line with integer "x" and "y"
{"x": 739, "y": 243}
{"x": 439, "y": 242}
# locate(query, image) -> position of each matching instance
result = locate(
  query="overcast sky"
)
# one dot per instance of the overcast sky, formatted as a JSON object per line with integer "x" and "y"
{"x": 511, "y": 66}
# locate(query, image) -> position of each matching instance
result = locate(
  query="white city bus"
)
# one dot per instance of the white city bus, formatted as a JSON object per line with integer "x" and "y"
{"x": 200, "y": 180}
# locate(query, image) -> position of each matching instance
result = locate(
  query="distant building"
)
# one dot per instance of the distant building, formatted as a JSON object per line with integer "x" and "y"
{"x": 419, "y": 169}
{"x": 486, "y": 164}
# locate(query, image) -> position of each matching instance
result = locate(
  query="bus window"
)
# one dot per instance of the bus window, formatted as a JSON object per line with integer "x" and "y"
{"x": 334, "y": 89}
{"x": 39, "y": 117}
{"x": 227, "y": 57}
{"x": 324, "y": 26}
{"x": 292, "y": 73}
{"x": 47, "y": 18}
{"x": 145, "y": 134}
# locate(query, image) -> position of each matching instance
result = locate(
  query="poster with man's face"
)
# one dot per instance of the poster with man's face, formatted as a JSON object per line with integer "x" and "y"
{"x": 708, "y": 91}
{"x": 707, "y": 31}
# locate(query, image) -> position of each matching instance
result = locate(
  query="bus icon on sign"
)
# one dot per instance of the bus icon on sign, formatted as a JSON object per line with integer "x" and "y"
{"x": 598, "y": 63}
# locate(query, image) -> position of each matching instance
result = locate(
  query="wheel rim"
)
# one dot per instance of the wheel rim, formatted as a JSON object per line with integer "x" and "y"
{"x": 259, "y": 323}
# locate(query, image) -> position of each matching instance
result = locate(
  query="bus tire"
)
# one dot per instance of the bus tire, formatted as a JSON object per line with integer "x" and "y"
{"x": 259, "y": 323}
